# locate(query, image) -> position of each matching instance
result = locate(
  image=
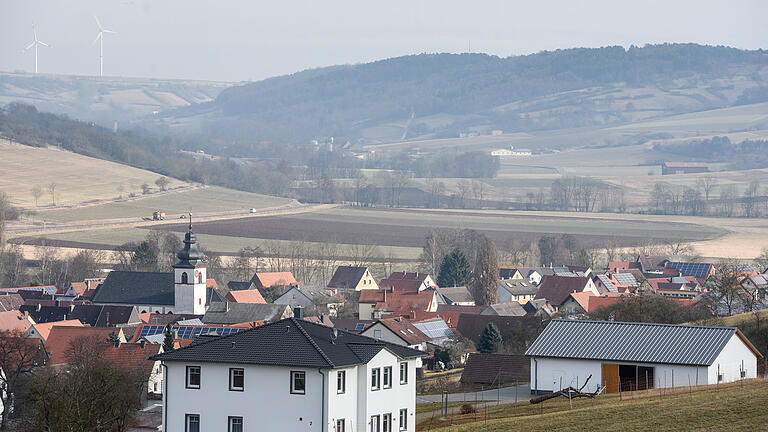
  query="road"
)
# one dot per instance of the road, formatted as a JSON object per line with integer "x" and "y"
{"x": 505, "y": 394}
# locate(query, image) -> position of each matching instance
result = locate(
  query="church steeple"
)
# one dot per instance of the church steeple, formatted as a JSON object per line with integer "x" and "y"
{"x": 191, "y": 256}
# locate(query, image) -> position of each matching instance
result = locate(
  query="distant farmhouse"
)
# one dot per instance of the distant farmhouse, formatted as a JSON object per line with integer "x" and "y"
{"x": 668, "y": 168}
{"x": 511, "y": 152}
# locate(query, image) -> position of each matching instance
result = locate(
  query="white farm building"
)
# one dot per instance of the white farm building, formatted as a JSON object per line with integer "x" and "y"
{"x": 637, "y": 356}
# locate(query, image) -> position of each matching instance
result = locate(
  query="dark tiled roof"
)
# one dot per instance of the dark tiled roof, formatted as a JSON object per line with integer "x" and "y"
{"x": 10, "y": 302}
{"x": 233, "y": 313}
{"x": 104, "y": 316}
{"x": 492, "y": 368}
{"x": 240, "y": 286}
{"x": 472, "y": 326}
{"x": 346, "y": 277}
{"x": 512, "y": 308}
{"x": 556, "y": 289}
{"x": 45, "y": 314}
{"x": 458, "y": 294}
{"x": 139, "y": 288}
{"x": 288, "y": 342}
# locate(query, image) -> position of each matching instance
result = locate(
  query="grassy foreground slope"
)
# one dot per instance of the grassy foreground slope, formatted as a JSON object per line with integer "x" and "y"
{"x": 732, "y": 407}
{"x": 78, "y": 178}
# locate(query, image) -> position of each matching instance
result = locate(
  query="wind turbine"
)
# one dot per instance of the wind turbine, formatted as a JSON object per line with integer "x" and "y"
{"x": 100, "y": 39}
{"x": 35, "y": 43}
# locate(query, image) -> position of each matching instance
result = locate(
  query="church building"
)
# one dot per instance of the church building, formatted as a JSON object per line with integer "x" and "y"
{"x": 183, "y": 291}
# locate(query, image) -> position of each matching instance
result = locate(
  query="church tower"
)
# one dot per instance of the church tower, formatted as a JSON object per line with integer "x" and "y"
{"x": 189, "y": 277}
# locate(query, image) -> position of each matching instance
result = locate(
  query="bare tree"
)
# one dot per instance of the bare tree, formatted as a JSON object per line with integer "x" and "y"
{"x": 726, "y": 287}
{"x": 707, "y": 184}
{"x": 478, "y": 191}
{"x": 120, "y": 190}
{"x": 677, "y": 247}
{"x": 37, "y": 192}
{"x": 162, "y": 183}
{"x": 750, "y": 202}
{"x": 463, "y": 187}
{"x": 52, "y": 191}
{"x": 432, "y": 254}
{"x": 362, "y": 255}
{"x": 436, "y": 190}
{"x": 19, "y": 357}
{"x": 361, "y": 181}
{"x": 728, "y": 196}
{"x": 762, "y": 260}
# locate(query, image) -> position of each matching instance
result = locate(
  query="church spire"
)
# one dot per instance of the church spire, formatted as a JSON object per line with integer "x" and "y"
{"x": 190, "y": 255}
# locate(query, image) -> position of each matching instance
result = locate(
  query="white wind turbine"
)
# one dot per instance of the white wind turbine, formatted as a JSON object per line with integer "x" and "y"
{"x": 35, "y": 43}
{"x": 100, "y": 39}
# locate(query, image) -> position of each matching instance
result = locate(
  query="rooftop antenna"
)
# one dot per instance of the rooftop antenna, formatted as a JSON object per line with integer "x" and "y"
{"x": 36, "y": 43}
{"x": 100, "y": 39}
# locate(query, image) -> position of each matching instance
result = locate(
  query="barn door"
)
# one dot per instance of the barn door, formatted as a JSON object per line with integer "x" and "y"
{"x": 611, "y": 378}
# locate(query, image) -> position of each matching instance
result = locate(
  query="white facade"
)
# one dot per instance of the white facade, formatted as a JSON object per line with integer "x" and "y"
{"x": 266, "y": 402}
{"x": 189, "y": 290}
{"x": 547, "y": 373}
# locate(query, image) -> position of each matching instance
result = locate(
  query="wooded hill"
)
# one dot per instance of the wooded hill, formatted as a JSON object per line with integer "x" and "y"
{"x": 451, "y": 93}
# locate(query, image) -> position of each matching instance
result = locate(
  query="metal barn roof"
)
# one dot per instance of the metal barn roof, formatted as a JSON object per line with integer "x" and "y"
{"x": 633, "y": 342}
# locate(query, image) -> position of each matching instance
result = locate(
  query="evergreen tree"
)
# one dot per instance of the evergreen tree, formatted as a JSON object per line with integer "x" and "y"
{"x": 455, "y": 270}
{"x": 144, "y": 257}
{"x": 490, "y": 340}
{"x": 484, "y": 286}
{"x": 168, "y": 340}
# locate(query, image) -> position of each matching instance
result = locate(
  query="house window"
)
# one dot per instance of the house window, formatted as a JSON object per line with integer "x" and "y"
{"x": 375, "y": 379}
{"x": 298, "y": 382}
{"x": 341, "y": 382}
{"x": 388, "y": 377}
{"x": 235, "y": 424}
{"x": 377, "y": 334}
{"x": 386, "y": 423}
{"x": 403, "y": 373}
{"x": 340, "y": 425}
{"x": 192, "y": 423}
{"x": 236, "y": 379}
{"x": 375, "y": 424}
{"x": 403, "y": 419}
{"x": 193, "y": 377}
{"x": 184, "y": 278}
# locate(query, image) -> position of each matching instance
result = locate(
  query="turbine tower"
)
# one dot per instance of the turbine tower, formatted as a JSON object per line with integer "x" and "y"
{"x": 100, "y": 39}
{"x": 35, "y": 43}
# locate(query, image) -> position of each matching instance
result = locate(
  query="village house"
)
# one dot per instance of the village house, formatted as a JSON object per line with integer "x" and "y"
{"x": 516, "y": 290}
{"x": 228, "y": 313}
{"x": 311, "y": 298}
{"x": 401, "y": 281}
{"x": 637, "y": 356}
{"x": 41, "y": 331}
{"x": 245, "y": 296}
{"x": 352, "y": 278}
{"x": 373, "y": 304}
{"x": 263, "y": 280}
{"x": 556, "y": 289}
{"x": 459, "y": 295}
{"x": 398, "y": 331}
{"x": 318, "y": 378}
{"x": 669, "y": 168}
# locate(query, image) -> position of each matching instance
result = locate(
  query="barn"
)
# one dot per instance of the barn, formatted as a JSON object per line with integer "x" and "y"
{"x": 637, "y": 356}
{"x": 668, "y": 168}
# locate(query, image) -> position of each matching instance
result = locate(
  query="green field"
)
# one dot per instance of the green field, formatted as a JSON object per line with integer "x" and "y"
{"x": 78, "y": 178}
{"x": 211, "y": 199}
{"x": 732, "y": 407}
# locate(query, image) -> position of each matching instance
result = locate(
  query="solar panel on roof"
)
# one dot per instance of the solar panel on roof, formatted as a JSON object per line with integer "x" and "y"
{"x": 625, "y": 278}
{"x": 691, "y": 269}
{"x": 360, "y": 327}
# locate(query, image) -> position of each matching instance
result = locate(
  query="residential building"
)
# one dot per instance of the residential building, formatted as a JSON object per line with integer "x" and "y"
{"x": 135, "y": 357}
{"x": 15, "y": 321}
{"x": 352, "y": 278}
{"x": 270, "y": 279}
{"x": 291, "y": 375}
{"x": 405, "y": 281}
{"x": 375, "y": 303}
{"x": 10, "y": 301}
{"x": 41, "y": 331}
{"x": 105, "y": 315}
{"x": 637, "y": 356}
{"x": 436, "y": 329}
{"x": 309, "y": 297}
{"x": 61, "y": 338}
{"x": 245, "y": 296}
{"x": 517, "y": 290}
{"x": 459, "y": 295}
{"x": 505, "y": 309}
{"x": 398, "y": 331}
{"x": 556, "y": 289}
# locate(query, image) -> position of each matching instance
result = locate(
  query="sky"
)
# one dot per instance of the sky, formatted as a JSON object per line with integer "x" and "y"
{"x": 239, "y": 40}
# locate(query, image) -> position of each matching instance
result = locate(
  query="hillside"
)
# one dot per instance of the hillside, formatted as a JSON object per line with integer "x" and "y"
{"x": 712, "y": 408}
{"x": 442, "y": 95}
{"x": 104, "y": 99}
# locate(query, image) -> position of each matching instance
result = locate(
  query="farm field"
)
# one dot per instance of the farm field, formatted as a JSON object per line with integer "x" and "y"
{"x": 736, "y": 406}
{"x": 202, "y": 200}
{"x": 78, "y": 178}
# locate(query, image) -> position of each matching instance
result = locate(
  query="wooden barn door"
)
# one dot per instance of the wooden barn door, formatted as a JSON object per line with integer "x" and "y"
{"x": 611, "y": 378}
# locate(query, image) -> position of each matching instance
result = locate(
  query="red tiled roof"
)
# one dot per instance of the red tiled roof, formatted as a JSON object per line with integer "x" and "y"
{"x": 268, "y": 279}
{"x": 405, "y": 301}
{"x": 451, "y": 313}
{"x": 60, "y": 338}
{"x": 132, "y": 356}
{"x": 45, "y": 329}
{"x": 246, "y": 296}
{"x": 14, "y": 320}
{"x": 591, "y": 303}
{"x": 405, "y": 330}
{"x": 211, "y": 283}
{"x": 79, "y": 287}
{"x": 371, "y": 296}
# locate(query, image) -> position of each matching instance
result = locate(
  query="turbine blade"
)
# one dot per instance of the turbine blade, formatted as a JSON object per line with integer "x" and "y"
{"x": 109, "y": 31}
{"x": 34, "y": 30}
{"x": 29, "y": 46}
{"x": 98, "y": 23}
{"x": 97, "y": 38}
{"x": 43, "y": 44}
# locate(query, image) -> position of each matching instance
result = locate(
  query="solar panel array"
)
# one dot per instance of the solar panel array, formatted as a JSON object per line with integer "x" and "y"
{"x": 691, "y": 269}
{"x": 188, "y": 332}
{"x": 434, "y": 329}
{"x": 625, "y": 278}
{"x": 607, "y": 282}
{"x": 360, "y": 327}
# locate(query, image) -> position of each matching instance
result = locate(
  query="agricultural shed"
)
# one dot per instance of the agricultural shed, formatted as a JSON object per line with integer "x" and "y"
{"x": 637, "y": 356}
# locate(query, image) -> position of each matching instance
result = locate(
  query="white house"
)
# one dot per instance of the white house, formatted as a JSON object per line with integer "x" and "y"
{"x": 291, "y": 375}
{"x": 637, "y": 356}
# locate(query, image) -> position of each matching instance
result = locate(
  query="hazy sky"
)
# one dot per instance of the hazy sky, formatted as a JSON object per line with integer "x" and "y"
{"x": 233, "y": 40}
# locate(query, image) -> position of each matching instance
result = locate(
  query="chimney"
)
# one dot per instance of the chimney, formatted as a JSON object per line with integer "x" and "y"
{"x": 143, "y": 343}
{"x": 385, "y": 295}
